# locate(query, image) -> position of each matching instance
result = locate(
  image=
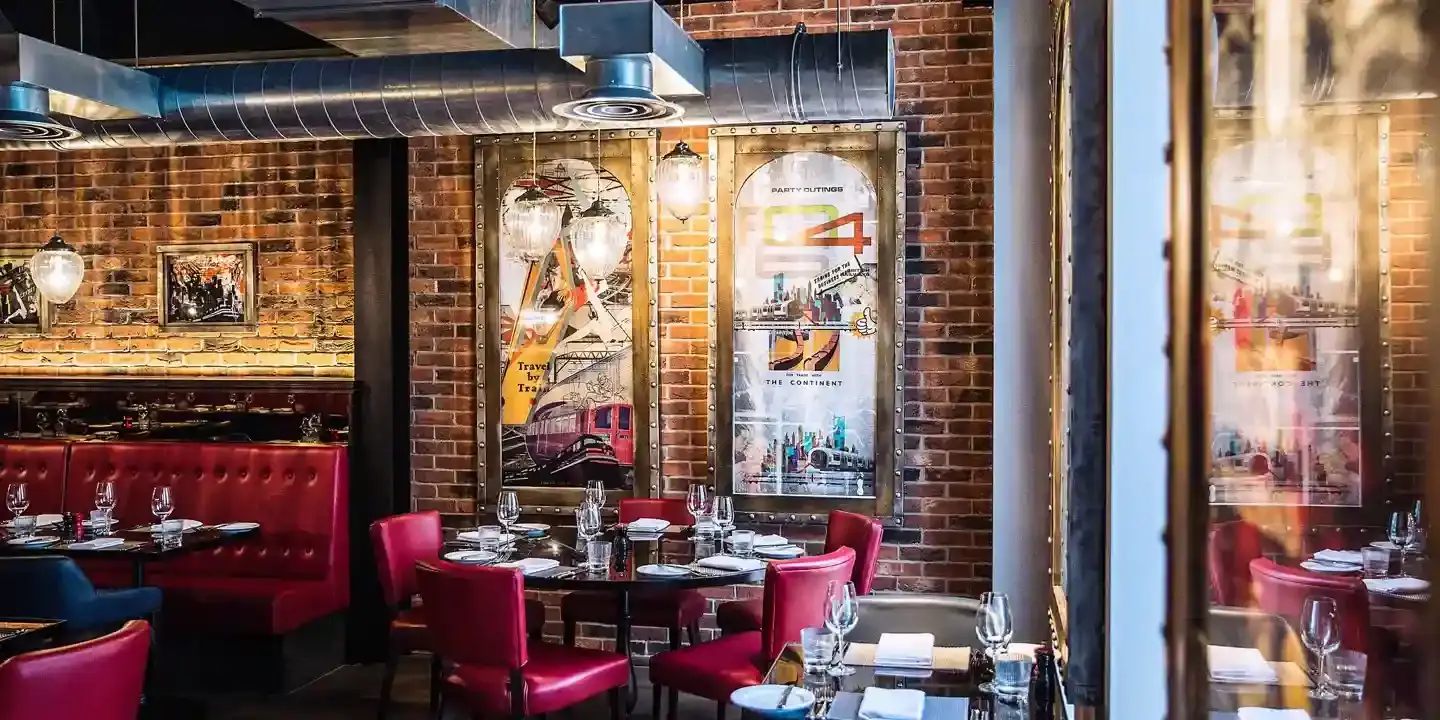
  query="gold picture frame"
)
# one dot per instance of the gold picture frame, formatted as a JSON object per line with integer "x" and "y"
{"x": 222, "y": 284}
{"x": 16, "y": 302}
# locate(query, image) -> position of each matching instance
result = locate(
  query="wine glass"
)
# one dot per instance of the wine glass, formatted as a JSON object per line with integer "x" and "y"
{"x": 17, "y": 498}
{"x": 724, "y": 513}
{"x": 1402, "y": 533}
{"x": 507, "y": 510}
{"x": 162, "y": 504}
{"x": 1320, "y": 631}
{"x": 105, "y": 502}
{"x": 842, "y": 614}
{"x": 587, "y": 524}
{"x": 994, "y": 625}
{"x": 697, "y": 501}
{"x": 595, "y": 492}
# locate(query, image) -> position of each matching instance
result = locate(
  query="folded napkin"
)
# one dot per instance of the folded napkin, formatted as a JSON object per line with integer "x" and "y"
{"x": 185, "y": 526}
{"x": 97, "y": 543}
{"x": 1235, "y": 664}
{"x": 1349, "y": 557}
{"x": 731, "y": 563}
{"x": 770, "y": 540}
{"x": 40, "y": 520}
{"x": 1401, "y": 585}
{"x": 530, "y": 566}
{"x": 1259, "y": 713}
{"x": 886, "y": 704}
{"x": 647, "y": 525}
{"x": 914, "y": 650}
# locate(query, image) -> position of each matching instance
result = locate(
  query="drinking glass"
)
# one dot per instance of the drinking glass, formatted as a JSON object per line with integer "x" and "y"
{"x": 724, "y": 513}
{"x": 587, "y": 524}
{"x": 1375, "y": 562}
{"x": 17, "y": 498}
{"x": 1012, "y": 674}
{"x": 162, "y": 503}
{"x": 1320, "y": 631}
{"x": 507, "y": 510}
{"x": 595, "y": 492}
{"x": 742, "y": 542}
{"x": 24, "y": 525}
{"x": 104, "y": 501}
{"x": 842, "y": 613}
{"x": 1402, "y": 531}
{"x": 597, "y": 555}
{"x": 489, "y": 536}
{"x": 817, "y": 648}
{"x": 994, "y": 625}
{"x": 1347, "y": 674}
{"x": 697, "y": 501}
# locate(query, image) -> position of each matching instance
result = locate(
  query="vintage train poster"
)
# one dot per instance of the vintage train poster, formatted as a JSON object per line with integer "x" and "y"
{"x": 1284, "y": 304}
{"x": 805, "y": 321}
{"x": 567, "y": 396}
{"x": 21, "y": 306}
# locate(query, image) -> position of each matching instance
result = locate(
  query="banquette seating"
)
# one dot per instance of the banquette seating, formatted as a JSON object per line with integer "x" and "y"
{"x": 294, "y": 571}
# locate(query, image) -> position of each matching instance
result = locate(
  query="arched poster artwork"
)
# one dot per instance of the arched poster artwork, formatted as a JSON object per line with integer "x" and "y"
{"x": 807, "y": 271}
{"x": 566, "y": 363}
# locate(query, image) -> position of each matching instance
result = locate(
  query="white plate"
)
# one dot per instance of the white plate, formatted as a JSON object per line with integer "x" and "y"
{"x": 40, "y": 520}
{"x": 92, "y": 523}
{"x": 473, "y": 537}
{"x": 185, "y": 526}
{"x": 782, "y": 553}
{"x": 471, "y": 556}
{"x": 663, "y": 571}
{"x": 531, "y": 528}
{"x": 765, "y": 699}
{"x": 238, "y": 526}
{"x": 1385, "y": 545}
{"x": 1313, "y": 566}
{"x": 37, "y": 540}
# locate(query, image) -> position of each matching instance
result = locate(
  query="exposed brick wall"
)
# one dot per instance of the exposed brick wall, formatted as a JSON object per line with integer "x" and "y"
{"x": 117, "y": 206}
{"x": 1410, "y": 260}
{"x": 944, "y": 82}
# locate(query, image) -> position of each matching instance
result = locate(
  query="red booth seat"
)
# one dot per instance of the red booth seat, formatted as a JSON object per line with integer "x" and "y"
{"x": 297, "y": 568}
{"x": 40, "y": 464}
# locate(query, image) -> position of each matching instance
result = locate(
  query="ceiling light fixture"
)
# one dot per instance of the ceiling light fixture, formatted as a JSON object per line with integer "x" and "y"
{"x": 599, "y": 240}
{"x": 57, "y": 270}
{"x": 681, "y": 176}
{"x": 532, "y": 223}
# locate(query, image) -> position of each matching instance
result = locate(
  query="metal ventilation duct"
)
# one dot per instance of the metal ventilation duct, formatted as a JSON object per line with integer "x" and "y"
{"x": 373, "y": 28}
{"x": 38, "y": 79}
{"x": 631, "y": 52}
{"x": 750, "y": 81}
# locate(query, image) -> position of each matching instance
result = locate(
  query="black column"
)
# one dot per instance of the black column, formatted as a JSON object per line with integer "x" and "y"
{"x": 380, "y": 433}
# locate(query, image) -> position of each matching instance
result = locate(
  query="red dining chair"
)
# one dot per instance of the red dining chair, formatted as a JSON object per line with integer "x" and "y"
{"x": 400, "y": 541}
{"x": 671, "y": 609}
{"x": 477, "y": 621}
{"x": 1232, "y": 546}
{"x": 795, "y": 593}
{"x": 1282, "y": 590}
{"x": 98, "y": 679}
{"x": 860, "y": 533}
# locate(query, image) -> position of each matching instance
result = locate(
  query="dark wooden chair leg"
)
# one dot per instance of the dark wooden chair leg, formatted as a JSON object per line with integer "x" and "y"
{"x": 435, "y": 681}
{"x": 694, "y": 632}
{"x": 387, "y": 683}
{"x": 569, "y": 638}
{"x": 672, "y": 713}
{"x": 654, "y": 701}
{"x": 675, "y": 637}
{"x": 438, "y": 711}
{"x": 720, "y": 709}
{"x": 617, "y": 704}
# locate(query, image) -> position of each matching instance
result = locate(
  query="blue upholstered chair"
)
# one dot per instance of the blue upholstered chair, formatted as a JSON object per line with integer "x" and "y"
{"x": 47, "y": 586}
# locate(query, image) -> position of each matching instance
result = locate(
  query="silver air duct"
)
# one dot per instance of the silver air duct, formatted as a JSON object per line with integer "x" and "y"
{"x": 749, "y": 81}
{"x": 372, "y": 28}
{"x": 632, "y": 51}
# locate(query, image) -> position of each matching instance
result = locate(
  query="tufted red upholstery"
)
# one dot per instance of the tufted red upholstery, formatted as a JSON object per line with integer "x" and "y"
{"x": 795, "y": 593}
{"x": 98, "y": 679}
{"x": 400, "y": 541}
{"x": 294, "y": 571}
{"x": 1282, "y": 590}
{"x": 669, "y": 510}
{"x": 860, "y": 533}
{"x": 476, "y": 617}
{"x": 1232, "y": 546}
{"x": 41, "y": 466}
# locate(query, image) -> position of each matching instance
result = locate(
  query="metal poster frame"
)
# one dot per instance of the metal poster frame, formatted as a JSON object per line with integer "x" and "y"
{"x": 249, "y": 249}
{"x": 21, "y": 256}
{"x": 499, "y": 161}
{"x": 1062, "y": 161}
{"x": 877, "y": 149}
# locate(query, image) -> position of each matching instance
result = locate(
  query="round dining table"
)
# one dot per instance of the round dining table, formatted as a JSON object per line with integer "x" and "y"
{"x": 679, "y": 548}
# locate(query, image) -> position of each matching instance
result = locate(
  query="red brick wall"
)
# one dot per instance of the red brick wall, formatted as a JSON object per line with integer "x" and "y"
{"x": 117, "y": 206}
{"x": 944, "y": 83}
{"x": 1410, "y": 262}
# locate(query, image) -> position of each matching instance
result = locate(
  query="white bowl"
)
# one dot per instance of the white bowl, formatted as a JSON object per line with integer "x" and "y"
{"x": 763, "y": 699}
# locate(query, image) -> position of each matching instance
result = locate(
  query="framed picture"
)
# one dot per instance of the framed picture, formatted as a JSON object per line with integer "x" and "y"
{"x": 22, "y": 309}
{"x": 208, "y": 285}
{"x": 806, "y": 280}
{"x": 566, "y": 342}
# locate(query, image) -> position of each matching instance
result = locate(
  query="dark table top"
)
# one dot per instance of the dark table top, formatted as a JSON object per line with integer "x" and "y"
{"x": 678, "y": 546}
{"x": 139, "y": 544}
{"x": 20, "y": 634}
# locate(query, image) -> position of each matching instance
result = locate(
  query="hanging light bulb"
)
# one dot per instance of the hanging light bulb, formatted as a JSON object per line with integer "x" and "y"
{"x": 599, "y": 238}
{"x": 532, "y": 222}
{"x": 57, "y": 270}
{"x": 681, "y": 175}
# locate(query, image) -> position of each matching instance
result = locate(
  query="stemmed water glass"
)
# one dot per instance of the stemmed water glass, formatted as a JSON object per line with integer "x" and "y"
{"x": 105, "y": 502}
{"x": 507, "y": 510}
{"x": 697, "y": 501}
{"x": 587, "y": 524}
{"x": 994, "y": 625}
{"x": 162, "y": 504}
{"x": 595, "y": 492}
{"x": 17, "y": 499}
{"x": 842, "y": 614}
{"x": 1320, "y": 631}
{"x": 724, "y": 513}
{"x": 1402, "y": 534}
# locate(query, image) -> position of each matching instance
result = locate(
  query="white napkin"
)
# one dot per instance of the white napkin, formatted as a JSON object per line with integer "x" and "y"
{"x": 1349, "y": 557}
{"x": 530, "y": 566}
{"x": 905, "y": 650}
{"x": 731, "y": 563}
{"x": 185, "y": 526}
{"x": 1235, "y": 664}
{"x": 770, "y": 540}
{"x": 1400, "y": 585}
{"x": 97, "y": 543}
{"x": 40, "y": 520}
{"x": 1259, "y": 713}
{"x": 885, "y": 704}
{"x": 647, "y": 525}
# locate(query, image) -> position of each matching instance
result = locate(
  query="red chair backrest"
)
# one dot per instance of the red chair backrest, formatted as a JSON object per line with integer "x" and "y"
{"x": 795, "y": 594}
{"x": 862, "y": 534}
{"x": 401, "y": 541}
{"x": 1282, "y": 590}
{"x": 98, "y": 679}
{"x": 475, "y": 614}
{"x": 671, "y": 511}
{"x": 40, "y": 464}
{"x": 1232, "y": 546}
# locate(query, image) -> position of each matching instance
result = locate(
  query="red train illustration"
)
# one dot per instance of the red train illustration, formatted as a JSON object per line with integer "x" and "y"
{"x": 561, "y": 436}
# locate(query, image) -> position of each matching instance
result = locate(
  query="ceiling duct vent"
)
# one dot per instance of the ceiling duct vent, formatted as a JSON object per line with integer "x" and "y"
{"x": 632, "y": 52}
{"x": 372, "y": 28}
{"x": 25, "y": 115}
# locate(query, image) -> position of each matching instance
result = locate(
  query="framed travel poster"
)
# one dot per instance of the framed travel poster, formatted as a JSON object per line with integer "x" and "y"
{"x": 807, "y": 276}
{"x": 207, "y": 286}
{"x": 22, "y": 309}
{"x": 567, "y": 365}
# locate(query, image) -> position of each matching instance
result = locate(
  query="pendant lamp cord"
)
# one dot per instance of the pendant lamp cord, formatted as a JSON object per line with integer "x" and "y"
{"x": 534, "y": 141}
